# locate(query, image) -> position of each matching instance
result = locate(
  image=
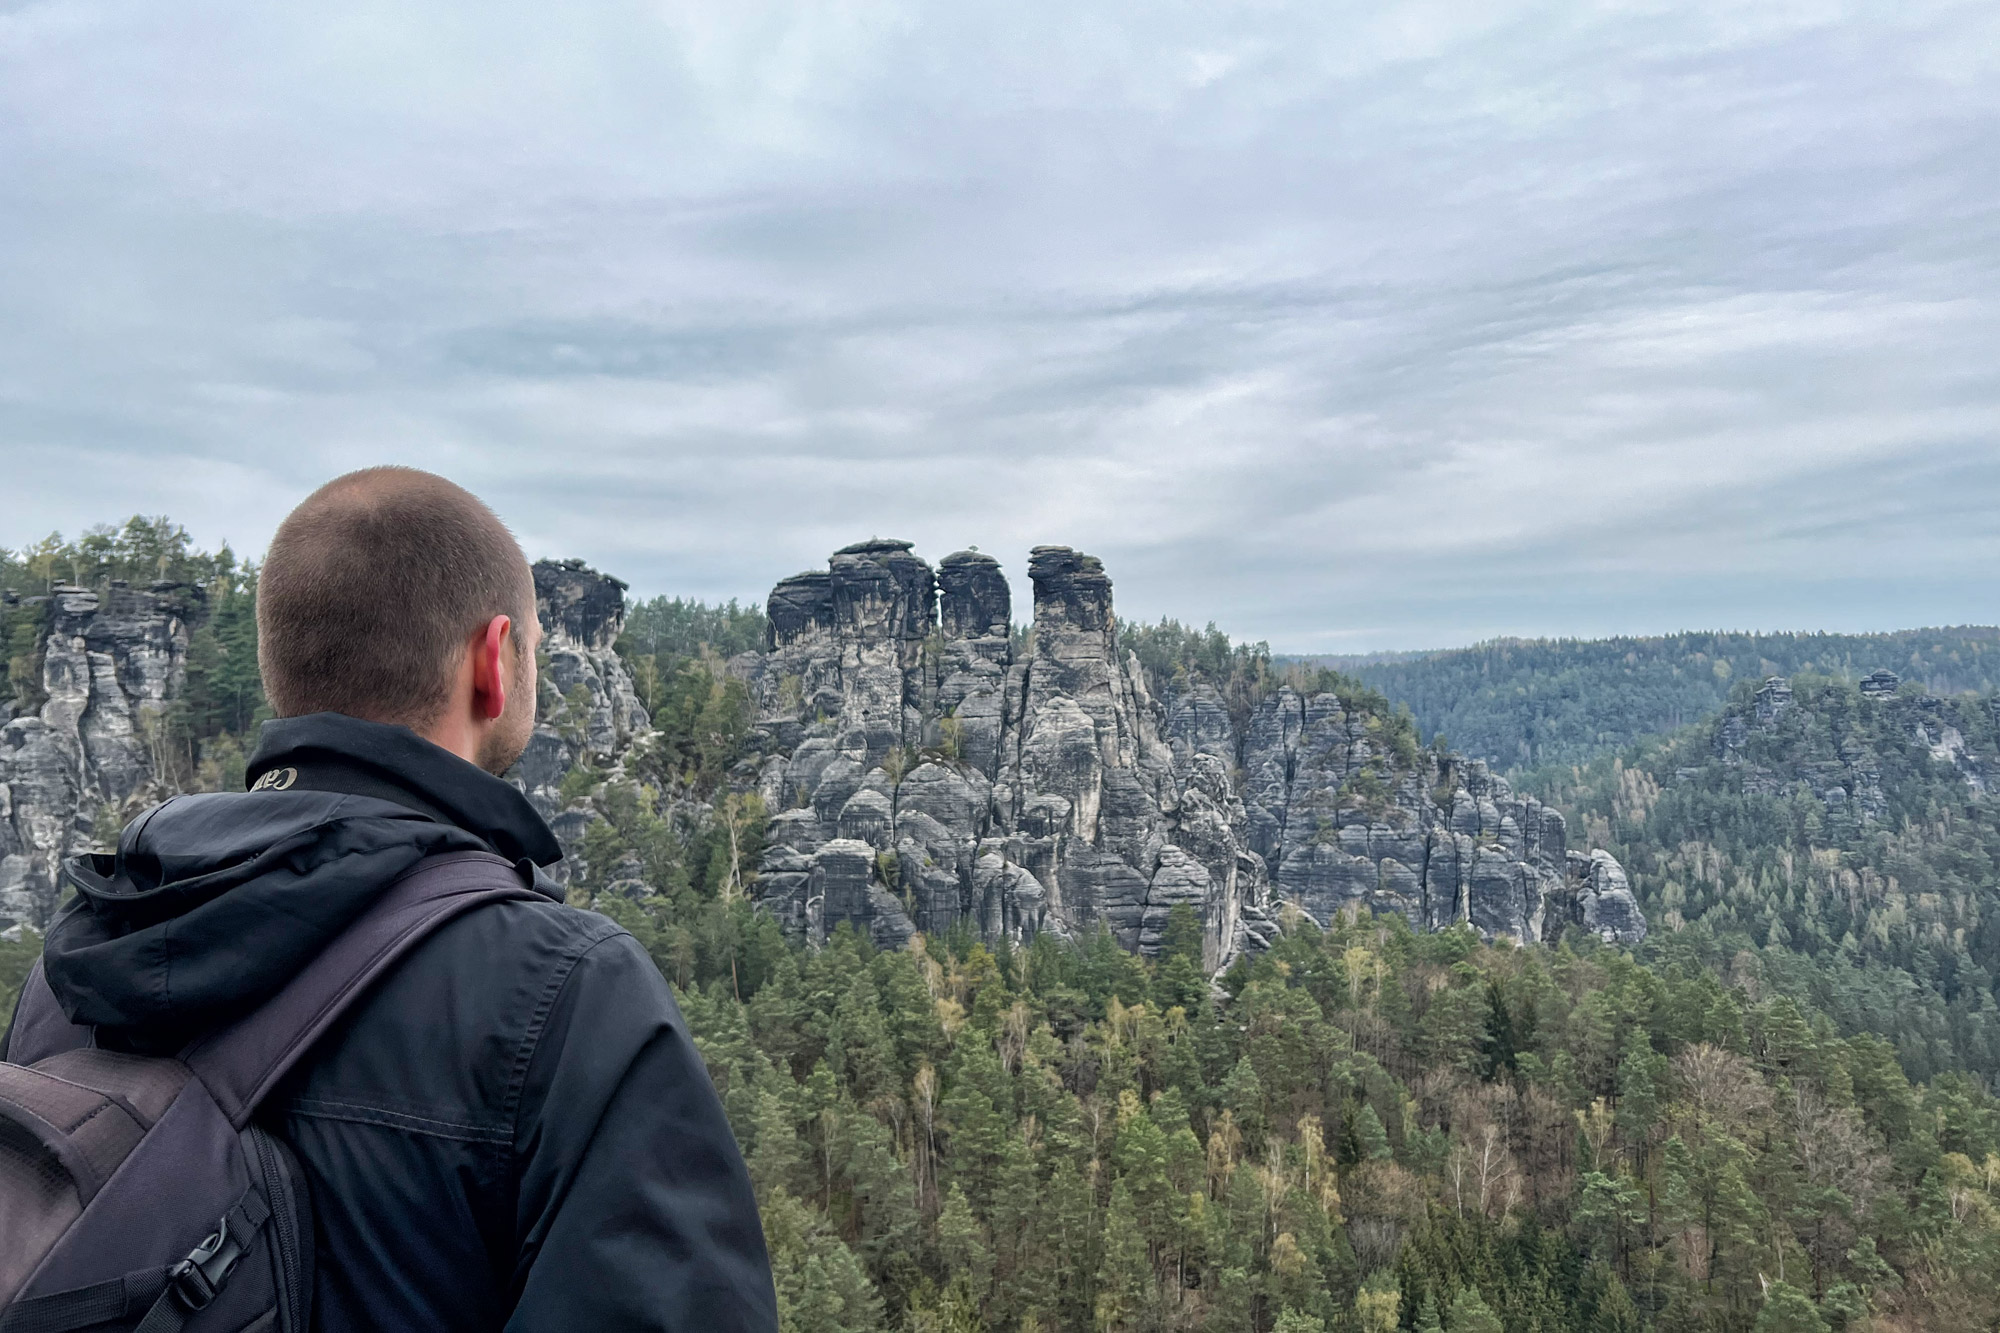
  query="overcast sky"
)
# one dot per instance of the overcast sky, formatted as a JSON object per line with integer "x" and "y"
{"x": 1346, "y": 326}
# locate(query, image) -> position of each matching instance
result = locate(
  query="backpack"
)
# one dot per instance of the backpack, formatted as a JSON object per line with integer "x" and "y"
{"x": 135, "y": 1191}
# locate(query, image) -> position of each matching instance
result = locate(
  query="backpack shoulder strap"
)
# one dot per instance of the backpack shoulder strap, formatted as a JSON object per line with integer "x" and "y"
{"x": 242, "y": 1061}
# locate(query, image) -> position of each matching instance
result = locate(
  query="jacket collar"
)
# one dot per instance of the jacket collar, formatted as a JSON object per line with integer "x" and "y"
{"x": 336, "y": 753}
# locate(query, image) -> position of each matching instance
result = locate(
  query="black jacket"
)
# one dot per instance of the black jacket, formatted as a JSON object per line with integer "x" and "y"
{"x": 514, "y": 1129}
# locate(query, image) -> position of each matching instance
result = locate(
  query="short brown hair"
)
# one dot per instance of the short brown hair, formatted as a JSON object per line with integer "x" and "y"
{"x": 372, "y": 588}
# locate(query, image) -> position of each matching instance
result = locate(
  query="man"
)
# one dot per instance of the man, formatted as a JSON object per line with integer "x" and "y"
{"x": 513, "y": 1129}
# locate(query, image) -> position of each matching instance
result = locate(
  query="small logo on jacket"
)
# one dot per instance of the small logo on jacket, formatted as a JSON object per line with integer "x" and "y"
{"x": 276, "y": 780}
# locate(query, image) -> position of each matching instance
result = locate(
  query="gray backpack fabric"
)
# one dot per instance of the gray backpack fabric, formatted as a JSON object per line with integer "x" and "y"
{"x": 135, "y": 1191}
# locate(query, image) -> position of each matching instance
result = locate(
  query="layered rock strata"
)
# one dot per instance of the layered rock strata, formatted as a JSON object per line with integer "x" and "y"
{"x": 113, "y": 662}
{"x": 1440, "y": 839}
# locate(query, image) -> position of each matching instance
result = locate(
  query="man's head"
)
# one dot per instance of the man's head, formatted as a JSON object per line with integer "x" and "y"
{"x": 396, "y": 596}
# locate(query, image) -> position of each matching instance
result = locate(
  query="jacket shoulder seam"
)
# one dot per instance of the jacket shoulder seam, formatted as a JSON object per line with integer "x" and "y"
{"x": 531, "y": 1038}
{"x": 313, "y": 1108}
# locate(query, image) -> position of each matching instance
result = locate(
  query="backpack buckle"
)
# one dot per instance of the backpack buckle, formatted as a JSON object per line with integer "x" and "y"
{"x": 195, "y": 1279}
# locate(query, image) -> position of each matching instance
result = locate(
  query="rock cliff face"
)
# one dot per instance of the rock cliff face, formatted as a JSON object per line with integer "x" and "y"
{"x": 589, "y": 711}
{"x": 1435, "y": 837}
{"x": 927, "y": 771}
{"x": 111, "y": 663}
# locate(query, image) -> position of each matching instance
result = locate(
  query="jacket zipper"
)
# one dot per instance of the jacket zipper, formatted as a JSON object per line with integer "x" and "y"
{"x": 284, "y": 1218}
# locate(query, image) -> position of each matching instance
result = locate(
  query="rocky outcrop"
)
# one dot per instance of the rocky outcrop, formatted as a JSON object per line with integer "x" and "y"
{"x": 1881, "y": 684}
{"x": 1347, "y": 822}
{"x": 975, "y": 654}
{"x": 111, "y": 664}
{"x": 1773, "y": 698}
{"x": 1009, "y": 791}
{"x": 582, "y": 612}
{"x": 1017, "y": 788}
{"x": 1837, "y": 740}
{"x": 589, "y": 711}
{"x": 1599, "y": 900}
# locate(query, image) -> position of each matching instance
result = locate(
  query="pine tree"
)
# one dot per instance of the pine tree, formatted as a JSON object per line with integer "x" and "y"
{"x": 1453, "y": 1032}
{"x": 822, "y": 1288}
{"x": 1607, "y": 1209}
{"x": 1243, "y": 1097}
{"x": 1613, "y": 1310}
{"x": 1640, "y": 1074}
{"x": 1369, "y": 1134}
{"x": 774, "y": 1157}
{"x": 962, "y": 1245}
{"x": 1125, "y": 1276}
{"x": 973, "y": 1119}
{"x": 1178, "y": 980}
{"x": 1471, "y": 1314}
{"x": 1788, "y": 1310}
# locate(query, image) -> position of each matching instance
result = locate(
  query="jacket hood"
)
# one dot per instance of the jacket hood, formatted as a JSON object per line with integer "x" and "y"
{"x": 212, "y": 902}
{"x": 335, "y": 752}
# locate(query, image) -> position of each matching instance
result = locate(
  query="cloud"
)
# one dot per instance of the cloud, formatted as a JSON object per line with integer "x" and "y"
{"x": 1343, "y": 326}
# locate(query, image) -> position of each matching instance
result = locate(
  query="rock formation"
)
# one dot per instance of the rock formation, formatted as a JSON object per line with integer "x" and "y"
{"x": 589, "y": 711}
{"x": 926, "y": 772}
{"x": 1435, "y": 837}
{"x": 111, "y": 663}
{"x": 1600, "y": 900}
{"x": 926, "y": 768}
{"x": 1777, "y": 742}
{"x": 1881, "y": 684}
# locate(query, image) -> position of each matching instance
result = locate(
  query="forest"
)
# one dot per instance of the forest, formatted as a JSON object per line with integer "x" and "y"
{"x": 1524, "y": 703}
{"x": 1832, "y": 845}
{"x": 1363, "y": 1129}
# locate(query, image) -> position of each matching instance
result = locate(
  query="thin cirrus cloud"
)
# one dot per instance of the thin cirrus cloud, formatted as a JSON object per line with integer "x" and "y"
{"x": 1348, "y": 327}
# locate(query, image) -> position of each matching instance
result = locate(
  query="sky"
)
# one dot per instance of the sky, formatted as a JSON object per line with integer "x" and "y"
{"x": 1347, "y": 327}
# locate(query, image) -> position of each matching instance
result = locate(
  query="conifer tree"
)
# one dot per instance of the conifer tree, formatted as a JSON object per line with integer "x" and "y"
{"x": 1125, "y": 1276}
{"x": 1369, "y": 1134}
{"x": 1471, "y": 1314}
{"x": 1788, "y": 1310}
{"x": 962, "y": 1245}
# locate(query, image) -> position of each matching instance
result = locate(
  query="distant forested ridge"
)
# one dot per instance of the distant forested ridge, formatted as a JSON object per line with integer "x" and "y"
{"x": 1847, "y": 837}
{"x": 1518, "y": 703}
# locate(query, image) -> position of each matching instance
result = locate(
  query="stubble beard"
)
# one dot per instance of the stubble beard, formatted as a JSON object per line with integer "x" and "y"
{"x": 504, "y": 744}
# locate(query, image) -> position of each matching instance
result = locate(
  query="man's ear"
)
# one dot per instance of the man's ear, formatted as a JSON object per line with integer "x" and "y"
{"x": 489, "y": 673}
